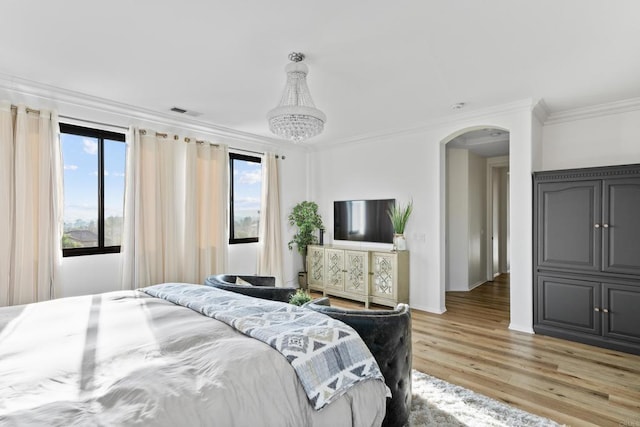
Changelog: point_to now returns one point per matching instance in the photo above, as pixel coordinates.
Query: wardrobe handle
(596, 309)
(605, 225)
(596, 225)
(605, 310)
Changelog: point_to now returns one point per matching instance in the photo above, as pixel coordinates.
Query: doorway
(498, 261)
(477, 209)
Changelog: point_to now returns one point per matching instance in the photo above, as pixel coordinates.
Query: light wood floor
(471, 345)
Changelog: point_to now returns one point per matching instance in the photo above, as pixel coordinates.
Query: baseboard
(475, 285)
(434, 310)
(521, 328)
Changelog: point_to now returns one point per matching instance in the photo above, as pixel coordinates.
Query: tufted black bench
(387, 333)
(262, 286)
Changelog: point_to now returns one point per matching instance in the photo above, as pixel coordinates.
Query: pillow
(242, 282)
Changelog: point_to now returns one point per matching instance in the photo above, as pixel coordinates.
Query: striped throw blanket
(328, 356)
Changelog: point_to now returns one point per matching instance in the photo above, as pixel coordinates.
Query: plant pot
(399, 242)
(302, 279)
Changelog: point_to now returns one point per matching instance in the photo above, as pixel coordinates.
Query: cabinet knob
(605, 225)
(605, 310)
(596, 309)
(596, 225)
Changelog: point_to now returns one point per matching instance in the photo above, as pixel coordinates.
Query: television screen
(363, 220)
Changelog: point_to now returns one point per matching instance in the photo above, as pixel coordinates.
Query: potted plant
(305, 216)
(399, 216)
(299, 298)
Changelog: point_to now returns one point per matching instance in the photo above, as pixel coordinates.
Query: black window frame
(232, 157)
(100, 135)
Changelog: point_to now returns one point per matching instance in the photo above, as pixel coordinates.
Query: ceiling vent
(184, 111)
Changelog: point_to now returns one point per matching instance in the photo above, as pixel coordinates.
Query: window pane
(114, 164)
(247, 189)
(80, 154)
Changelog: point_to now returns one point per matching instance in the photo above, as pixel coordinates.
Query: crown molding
(617, 107)
(64, 97)
(475, 115)
(541, 111)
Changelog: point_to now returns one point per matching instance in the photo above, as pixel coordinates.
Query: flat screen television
(363, 220)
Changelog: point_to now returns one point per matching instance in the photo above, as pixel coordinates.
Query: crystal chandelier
(296, 117)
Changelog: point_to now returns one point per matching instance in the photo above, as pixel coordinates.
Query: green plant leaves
(399, 216)
(300, 297)
(305, 216)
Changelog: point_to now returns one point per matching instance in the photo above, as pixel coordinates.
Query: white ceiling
(375, 66)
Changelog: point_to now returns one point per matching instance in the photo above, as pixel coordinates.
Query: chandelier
(296, 117)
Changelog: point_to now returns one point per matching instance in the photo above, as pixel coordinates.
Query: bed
(130, 358)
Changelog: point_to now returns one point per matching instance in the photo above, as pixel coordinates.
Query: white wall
(85, 275)
(242, 258)
(503, 220)
(398, 167)
(457, 234)
(477, 218)
(613, 139)
(293, 189)
(496, 232)
(466, 219)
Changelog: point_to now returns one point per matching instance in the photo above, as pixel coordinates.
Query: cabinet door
(384, 276)
(315, 268)
(569, 304)
(334, 269)
(568, 223)
(357, 272)
(621, 226)
(621, 320)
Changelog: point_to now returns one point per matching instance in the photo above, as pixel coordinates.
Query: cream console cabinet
(381, 277)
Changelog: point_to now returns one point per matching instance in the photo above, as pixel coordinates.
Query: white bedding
(125, 358)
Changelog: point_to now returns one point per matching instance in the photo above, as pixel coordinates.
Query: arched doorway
(477, 209)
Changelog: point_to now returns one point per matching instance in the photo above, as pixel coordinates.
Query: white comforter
(125, 358)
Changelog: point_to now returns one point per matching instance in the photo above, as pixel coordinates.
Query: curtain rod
(176, 137)
(27, 109)
(187, 139)
(164, 135)
(255, 152)
(33, 110)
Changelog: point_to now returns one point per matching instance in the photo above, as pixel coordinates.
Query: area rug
(438, 403)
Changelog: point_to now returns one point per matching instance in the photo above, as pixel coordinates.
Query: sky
(248, 187)
(80, 157)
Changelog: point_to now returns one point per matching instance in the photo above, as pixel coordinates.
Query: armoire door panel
(569, 304)
(622, 315)
(621, 226)
(569, 228)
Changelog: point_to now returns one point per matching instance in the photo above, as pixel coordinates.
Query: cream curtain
(31, 205)
(175, 210)
(270, 239)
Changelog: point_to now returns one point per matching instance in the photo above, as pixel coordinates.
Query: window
(245, 200)
(94, 164)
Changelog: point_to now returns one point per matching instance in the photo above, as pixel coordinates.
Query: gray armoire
(587, 256)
